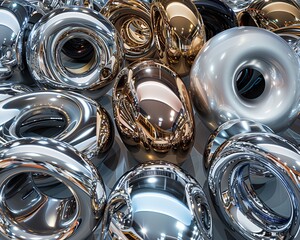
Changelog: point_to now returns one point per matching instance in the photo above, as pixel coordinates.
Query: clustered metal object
(235, 63)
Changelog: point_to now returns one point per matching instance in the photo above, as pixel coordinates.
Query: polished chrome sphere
(246, 72)
(153, 112)
(52, 69)
(29, 212)
(179, 32)
(157, 200)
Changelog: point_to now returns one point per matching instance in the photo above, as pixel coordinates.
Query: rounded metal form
(153, 112)
(242, 201)
(16, 20)
(132, 19)
(91, 76)
(270, 14)
(178, 31)
(246, 72)
(157, 201)
(8, 90)
(217, 16)
(238, 5)
(67, 117)
(28, 212)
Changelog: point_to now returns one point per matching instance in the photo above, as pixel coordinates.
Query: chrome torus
(237, 5)
(179, 32)
(67, 117)
(99, 54)
(157, 200)
(132, 19)
(246, 72)
(153, 112)
(8, 90)
(30, 212)
(270, 14)
(16, 21)
(216, 15)
(254, 183)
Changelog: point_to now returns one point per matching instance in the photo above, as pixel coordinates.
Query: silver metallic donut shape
(54, 31)
(157, 200)
(233, 58)
(67, 117)
(26, 212)
(232, 168)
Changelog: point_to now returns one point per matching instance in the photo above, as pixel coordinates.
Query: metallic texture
(179, 32)
(153, 112)
(28, 212)
(237, 5)
(270, 14)
(132, 19)
(157, 200)
(8, 90)
(97, 5)
(246, 72)
(16, 20)
(239, 168)
(216, 15)
(53, 70)
(67, 117)
(47, 5)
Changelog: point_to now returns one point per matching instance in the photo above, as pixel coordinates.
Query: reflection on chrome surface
(246, 72)
(49, 39)
(179, 32)
(157, 201)
(153, 112)
(67, 117)
(26, 212)
(238, 5)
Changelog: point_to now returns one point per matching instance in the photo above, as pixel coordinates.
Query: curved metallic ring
(246, 72)
(91, 75)
(143, 202)
(241, 188)
(28, 212)
(67, 117)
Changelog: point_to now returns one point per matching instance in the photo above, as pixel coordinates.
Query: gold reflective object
(270, 14)
(178, 31)
(153, 112)
(132, 20)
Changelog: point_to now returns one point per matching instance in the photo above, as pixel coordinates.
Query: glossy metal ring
(132, 19)
(246, 72)
(67, 117)
(52, 69)
(238, 5)
(236, 182)
(28, 212)
(153, 112)
(157, 201)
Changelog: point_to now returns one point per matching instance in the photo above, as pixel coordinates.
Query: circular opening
(78, 56)
(250, 83)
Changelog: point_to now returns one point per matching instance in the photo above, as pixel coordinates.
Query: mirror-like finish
(27, 212)
(52, 70)
(246, 72)
(238, 5)
(236, 197)
(67, 117)
(16, 20)
(153, 112)
(178, 31)
(270, 14)
(217, 16)
(157, 201)
(8, 90)
(132, 19)
(47, 5)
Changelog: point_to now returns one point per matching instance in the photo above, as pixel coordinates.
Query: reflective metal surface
(270, 14)
(8, 90)
(157, 201)
(237, 5)
(132, 19)
(217, 16)
(153, 112)
(92, 76)
(178, 31)
(67, 117)
(246, 72)
(16, 20)
(238, 192)
(28, 212)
